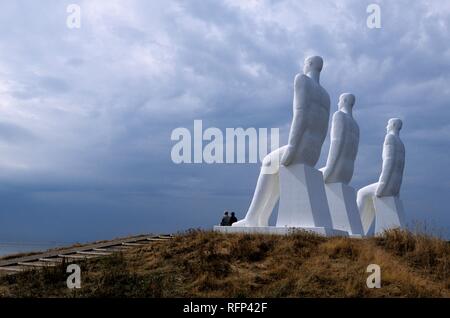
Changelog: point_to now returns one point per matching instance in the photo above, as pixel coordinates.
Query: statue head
(313, 63)
(394, 125)
(346, 101)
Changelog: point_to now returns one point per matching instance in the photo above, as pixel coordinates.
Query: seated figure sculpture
(311, 111)
(344, 143)
(379, 203)
(339, 168)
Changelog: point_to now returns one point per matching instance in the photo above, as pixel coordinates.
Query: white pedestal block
(343, 209)
(303, 201)
(278, 230)
(389, 214)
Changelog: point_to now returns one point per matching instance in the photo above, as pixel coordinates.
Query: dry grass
(427, 255)
(207, 264)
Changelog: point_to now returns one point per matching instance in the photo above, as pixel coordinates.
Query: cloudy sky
(86, 114)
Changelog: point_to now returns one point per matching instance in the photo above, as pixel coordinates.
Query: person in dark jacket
(233, 218)
(225, 219)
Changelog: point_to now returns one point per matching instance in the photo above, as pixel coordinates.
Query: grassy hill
(207, 264)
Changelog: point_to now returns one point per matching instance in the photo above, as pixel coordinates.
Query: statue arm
(336, 144)
(298, 120)
(388, 165)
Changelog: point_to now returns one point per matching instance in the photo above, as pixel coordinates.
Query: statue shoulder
(391, 139)
(301, 80)
(339, 115)
(338, 120)
(392, 142)
(339, 123)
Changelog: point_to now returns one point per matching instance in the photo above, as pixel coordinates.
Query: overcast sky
(86, 114)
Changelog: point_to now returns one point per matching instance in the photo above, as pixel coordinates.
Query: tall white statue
(339, 168)
(380, 201)
(311, 110)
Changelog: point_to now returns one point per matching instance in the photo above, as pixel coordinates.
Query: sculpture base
(279, 230)
(303, 202)
(389, 214)
(343, 209)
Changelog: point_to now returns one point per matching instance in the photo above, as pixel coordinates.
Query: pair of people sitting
(228, 220)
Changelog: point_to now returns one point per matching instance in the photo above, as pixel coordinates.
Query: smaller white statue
(344, 143)
(380, 201)
(339, 168)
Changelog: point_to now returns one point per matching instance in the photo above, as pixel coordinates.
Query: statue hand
(380, 190)
(325, 173)
(288, 156)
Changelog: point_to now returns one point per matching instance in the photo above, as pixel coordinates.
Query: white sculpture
(344, 143)
(322, 200)
(380, 201)
(339, 168)
(311, 107)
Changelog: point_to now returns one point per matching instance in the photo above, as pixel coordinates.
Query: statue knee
(266, 161)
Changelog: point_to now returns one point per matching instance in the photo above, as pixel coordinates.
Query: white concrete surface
(303, 202)
(389, 214)
(278, 230)
(343, 209)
